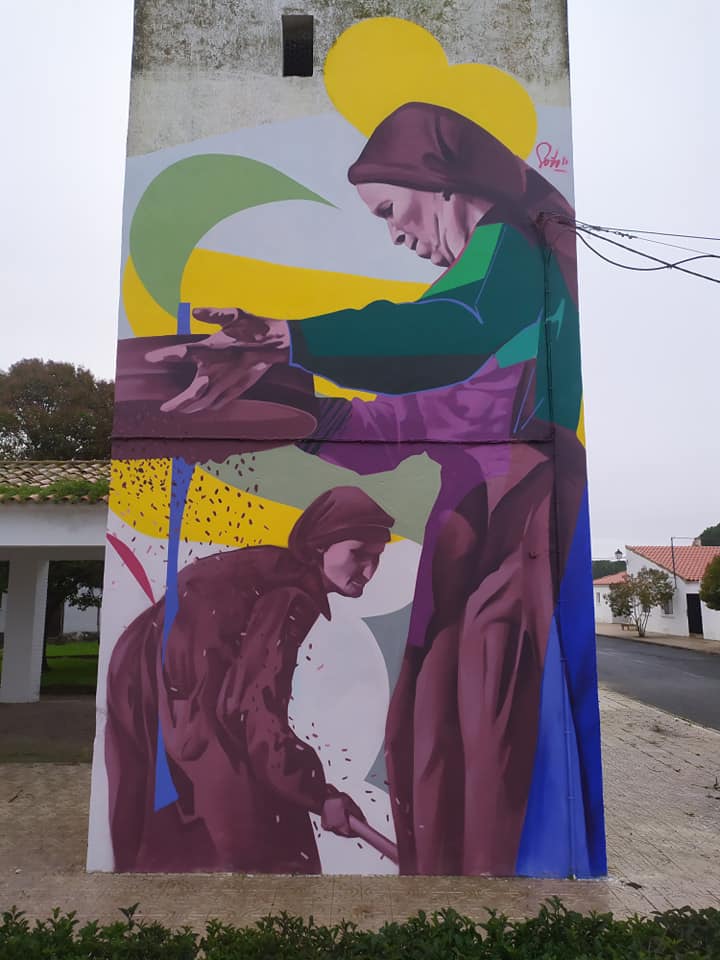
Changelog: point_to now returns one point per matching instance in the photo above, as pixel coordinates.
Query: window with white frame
(668, 608)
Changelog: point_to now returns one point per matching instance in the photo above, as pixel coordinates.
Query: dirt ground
(55, 730)
(662, 796)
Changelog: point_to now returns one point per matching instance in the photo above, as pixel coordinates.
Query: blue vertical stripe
(564, 830)
(183, 319)
(165, 792)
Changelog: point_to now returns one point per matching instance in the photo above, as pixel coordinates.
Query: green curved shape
(185, 201)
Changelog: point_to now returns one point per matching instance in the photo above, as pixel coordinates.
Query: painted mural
(348, 621)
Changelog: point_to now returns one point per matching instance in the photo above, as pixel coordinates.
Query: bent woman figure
(245, 783)
(483, 375)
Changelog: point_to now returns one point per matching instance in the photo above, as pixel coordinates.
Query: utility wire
(642, 239)
(663, 264)
(579, 227)
(653, 233)
(615, 263)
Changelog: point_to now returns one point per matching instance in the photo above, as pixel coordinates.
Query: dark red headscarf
(426, 147)
(343, 513)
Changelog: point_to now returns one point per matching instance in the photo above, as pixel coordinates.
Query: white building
(48, 525)
(601, 589)
(686, 614)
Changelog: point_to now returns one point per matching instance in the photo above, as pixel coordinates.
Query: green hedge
(554, 934)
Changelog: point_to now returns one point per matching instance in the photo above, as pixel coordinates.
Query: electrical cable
(654, 233)
(579, 227)
(664, 264)
(633, 236)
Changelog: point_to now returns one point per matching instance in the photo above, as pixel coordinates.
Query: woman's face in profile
(435, 226)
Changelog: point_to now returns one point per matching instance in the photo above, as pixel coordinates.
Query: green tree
(54, 411)
(710, 585)
(636, 596)
(710, 537)
(77, 582)
(603, 568)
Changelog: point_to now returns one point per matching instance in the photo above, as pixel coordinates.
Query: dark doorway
(694, 612)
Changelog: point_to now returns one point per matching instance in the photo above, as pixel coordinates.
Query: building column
(24, 627)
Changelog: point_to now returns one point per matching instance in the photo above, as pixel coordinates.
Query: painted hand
(245, 328)
(228, 362)
(336, 812)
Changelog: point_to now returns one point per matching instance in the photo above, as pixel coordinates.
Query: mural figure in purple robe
(482, 374)
(245, 782)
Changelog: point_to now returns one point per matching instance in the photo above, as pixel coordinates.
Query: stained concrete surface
(55, 729)
(204, 67)
(662, 808)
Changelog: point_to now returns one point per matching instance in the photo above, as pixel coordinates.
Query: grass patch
(554, 934)
(70, 675)
(78, 648)
(73, 667)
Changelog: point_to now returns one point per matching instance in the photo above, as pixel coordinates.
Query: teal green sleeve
(442, 338)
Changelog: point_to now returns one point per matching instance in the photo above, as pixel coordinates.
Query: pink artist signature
(550, 157)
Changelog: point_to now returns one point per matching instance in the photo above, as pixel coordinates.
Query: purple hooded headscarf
(343, 513)
(426, 147)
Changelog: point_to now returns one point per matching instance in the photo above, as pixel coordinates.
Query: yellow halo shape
(377, 65)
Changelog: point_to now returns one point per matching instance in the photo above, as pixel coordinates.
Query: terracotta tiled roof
(610, 578)
(690, 562)
(42, 480)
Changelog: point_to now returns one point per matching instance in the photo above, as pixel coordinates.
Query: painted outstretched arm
(228, 362)
(441, 339)
(384, 347)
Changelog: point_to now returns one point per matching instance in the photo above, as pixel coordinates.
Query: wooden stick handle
(377, 840)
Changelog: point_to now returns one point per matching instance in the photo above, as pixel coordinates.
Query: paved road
(683, 682)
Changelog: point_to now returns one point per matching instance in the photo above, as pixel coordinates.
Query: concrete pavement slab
(662, 808)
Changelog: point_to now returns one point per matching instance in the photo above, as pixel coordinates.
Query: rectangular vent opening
(298, 35)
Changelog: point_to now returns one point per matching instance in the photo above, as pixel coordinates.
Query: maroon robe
(246, 784)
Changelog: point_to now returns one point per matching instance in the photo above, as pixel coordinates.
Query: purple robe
(463, 719)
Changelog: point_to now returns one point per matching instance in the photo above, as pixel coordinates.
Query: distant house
(686, 614)
(601, 588)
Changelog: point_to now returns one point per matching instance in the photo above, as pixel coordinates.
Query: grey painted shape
(322, 149)
(390, 631)
(288, 475)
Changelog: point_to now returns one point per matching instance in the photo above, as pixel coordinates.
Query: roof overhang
(62, 530)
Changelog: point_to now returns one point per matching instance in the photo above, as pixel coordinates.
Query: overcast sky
(645, 82)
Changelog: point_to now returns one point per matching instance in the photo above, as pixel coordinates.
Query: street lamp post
(672, 554)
